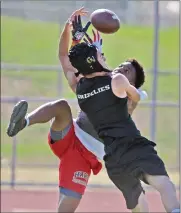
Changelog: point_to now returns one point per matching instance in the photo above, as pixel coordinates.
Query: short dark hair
(140, 74)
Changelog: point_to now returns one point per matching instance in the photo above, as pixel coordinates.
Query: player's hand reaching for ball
(81, 12)
(79, 31)
(97, 40)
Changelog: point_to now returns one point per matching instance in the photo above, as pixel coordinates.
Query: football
(105, 21)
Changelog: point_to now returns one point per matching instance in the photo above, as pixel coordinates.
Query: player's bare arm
(122, 88)
(131, 106)
(66, 66)
(64, 44)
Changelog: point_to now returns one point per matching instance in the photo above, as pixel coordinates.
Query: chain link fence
(130, 12)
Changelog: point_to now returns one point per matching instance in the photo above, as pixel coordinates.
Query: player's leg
(121, 172)
(59, 110)
(74, 174)
(68, 202)
(61, 140)
(154, 173)
(131, 189)
(142, 205)
(167, 190)
(132, 192)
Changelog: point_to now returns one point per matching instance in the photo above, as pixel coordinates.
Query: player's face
(128, 70)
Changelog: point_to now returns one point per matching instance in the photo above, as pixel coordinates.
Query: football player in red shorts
(75, 143)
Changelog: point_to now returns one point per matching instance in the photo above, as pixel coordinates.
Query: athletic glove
(78, 31)
(97, 40)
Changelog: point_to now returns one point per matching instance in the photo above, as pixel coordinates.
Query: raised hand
(81, 12)
(97, 40)
(78, 30)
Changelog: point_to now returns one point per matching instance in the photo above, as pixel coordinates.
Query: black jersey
(84, 123)
(108, 113)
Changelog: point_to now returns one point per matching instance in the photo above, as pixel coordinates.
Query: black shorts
(127, 160)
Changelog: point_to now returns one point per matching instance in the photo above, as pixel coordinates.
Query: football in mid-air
(105, 21)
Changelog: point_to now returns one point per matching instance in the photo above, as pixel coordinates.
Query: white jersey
(91, 143)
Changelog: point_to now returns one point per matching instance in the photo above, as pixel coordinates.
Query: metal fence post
(155, 70)
(13, 162)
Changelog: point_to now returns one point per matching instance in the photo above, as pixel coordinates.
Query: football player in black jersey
(129, 157)
(60, 110)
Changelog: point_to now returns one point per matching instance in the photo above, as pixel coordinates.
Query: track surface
(94, 200)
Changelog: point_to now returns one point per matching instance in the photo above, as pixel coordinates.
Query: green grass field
(32, 42)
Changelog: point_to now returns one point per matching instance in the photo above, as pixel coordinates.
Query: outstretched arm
(131, 106)
(68, 69)
(122, 88)
(64, 44)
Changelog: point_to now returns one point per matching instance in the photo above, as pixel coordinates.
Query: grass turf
(33, 42)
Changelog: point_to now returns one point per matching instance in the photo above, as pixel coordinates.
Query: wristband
(143, 94)
(78, 36)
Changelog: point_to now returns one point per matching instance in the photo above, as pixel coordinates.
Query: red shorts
(76, 162)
